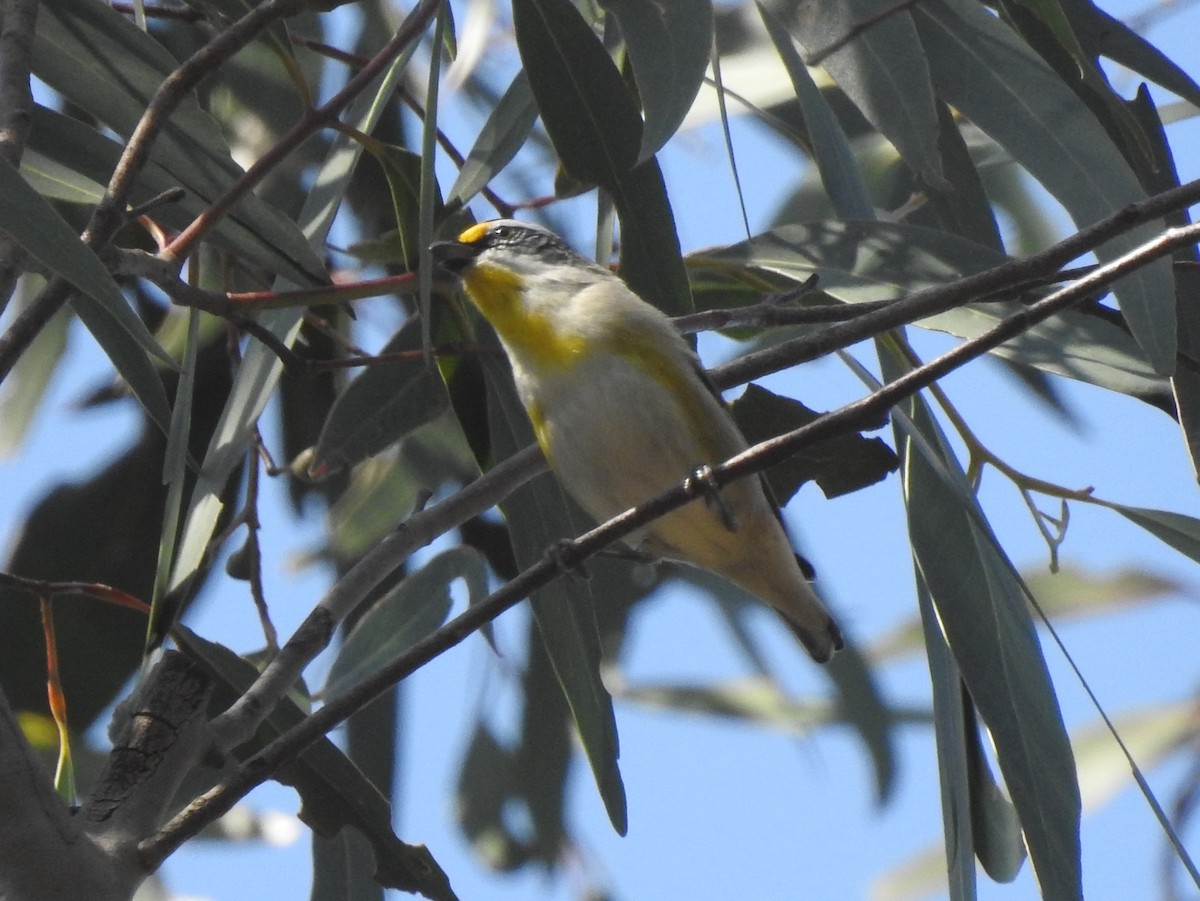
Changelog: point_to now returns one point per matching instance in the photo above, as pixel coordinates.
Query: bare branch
(1035, 268)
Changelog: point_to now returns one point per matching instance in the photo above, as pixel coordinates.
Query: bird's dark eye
(502, 232)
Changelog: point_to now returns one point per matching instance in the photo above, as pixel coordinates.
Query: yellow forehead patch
(474, 233)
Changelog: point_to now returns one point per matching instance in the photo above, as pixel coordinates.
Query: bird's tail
(820, 641)
(787, 590)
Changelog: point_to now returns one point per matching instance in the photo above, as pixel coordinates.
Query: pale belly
(616, 438)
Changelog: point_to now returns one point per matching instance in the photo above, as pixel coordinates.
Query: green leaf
(538, 517)
(1073, 344)
(597, 132)
(260, 368)
(980, 67)
(384, 489)
(857, 260)
(25, 388)
(1173, 529)
(405, 615)
(961, 206)
(883, 71)
(669, 45)
(1103, 35)
(873, 261)
(56, 181)
(383, 404)
(46, 237)
(950, 733)
(835, 161)
(502, 136)
(982, 611)
(69, 160)
(107, 66)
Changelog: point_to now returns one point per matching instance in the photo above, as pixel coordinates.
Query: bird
(623, 411)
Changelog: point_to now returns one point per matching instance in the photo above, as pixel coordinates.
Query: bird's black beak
(453, 256)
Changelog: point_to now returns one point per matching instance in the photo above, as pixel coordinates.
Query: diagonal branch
(1032, 269)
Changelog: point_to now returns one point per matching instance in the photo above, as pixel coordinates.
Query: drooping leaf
(669, 45)
(405, 615)
(883, 71)
(980, 67)
(503, 134)
(386, 402)
(982, 611)
(260, 368)
(949, 731)
(538, 517)
(46, 237)
(834, 159)
(597, 132)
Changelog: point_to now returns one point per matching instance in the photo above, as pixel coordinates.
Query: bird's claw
(556, 553)
(704, 482)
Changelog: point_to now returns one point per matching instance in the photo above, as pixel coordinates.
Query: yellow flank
(644, 351)
(497, 292)
(537, 419)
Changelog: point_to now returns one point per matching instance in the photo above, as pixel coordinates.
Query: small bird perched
(623, 411)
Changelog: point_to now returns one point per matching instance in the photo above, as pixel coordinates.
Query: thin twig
(317, 119)
(819, 56)
(257, 702)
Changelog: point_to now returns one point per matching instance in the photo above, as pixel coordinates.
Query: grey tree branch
(53, 852)
(1032, 269)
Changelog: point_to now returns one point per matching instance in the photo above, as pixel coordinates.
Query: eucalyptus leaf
(980, 67)
(46, 237)
(1173, 529)
(831, 150)
(106, 65)
(1102, 34)
(260, 368)
(502, 136)
(669, 45)
(387, 401)
(883, 71)
(597, 133)
(982, 611)
(405, 615)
